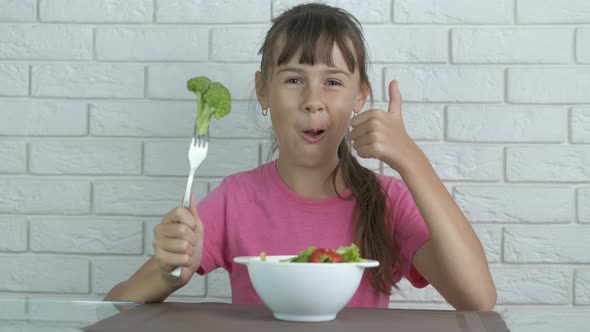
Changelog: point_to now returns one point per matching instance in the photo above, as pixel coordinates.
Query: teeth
(314, 133)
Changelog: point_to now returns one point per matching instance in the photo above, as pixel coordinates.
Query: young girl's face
(310, 107)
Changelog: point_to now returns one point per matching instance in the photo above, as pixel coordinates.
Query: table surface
(65, 315)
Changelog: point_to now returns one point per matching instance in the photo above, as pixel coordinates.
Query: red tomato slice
(323, 255)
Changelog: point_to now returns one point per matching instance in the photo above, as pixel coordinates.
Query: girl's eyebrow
(337, 71)
(327, 71)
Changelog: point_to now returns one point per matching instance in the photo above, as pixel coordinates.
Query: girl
(312, 79)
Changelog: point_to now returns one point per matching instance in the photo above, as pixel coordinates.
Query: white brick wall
(14, 80)
(95, 120)
(497, 45)
(583, 45)
(46, 42)
(448, 83)
(137, 44)
(551, 85)
(551, 11)
(89, 11)
(507, 123)
(17, 11)
(87, 80)
(453, 11)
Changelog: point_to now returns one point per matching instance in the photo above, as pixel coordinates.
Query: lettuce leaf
(303, 257)
(350, 254)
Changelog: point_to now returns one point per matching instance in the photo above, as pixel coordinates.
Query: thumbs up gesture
(382, 135)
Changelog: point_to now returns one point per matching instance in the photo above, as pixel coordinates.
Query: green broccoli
(213, 99)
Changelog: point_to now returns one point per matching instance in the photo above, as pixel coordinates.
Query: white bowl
(304, 292)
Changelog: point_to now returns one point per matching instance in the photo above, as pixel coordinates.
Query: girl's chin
(305, 154)
(313, 156)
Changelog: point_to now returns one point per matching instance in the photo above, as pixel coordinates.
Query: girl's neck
(311, 181)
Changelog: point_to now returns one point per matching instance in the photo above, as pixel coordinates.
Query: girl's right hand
(178, 241)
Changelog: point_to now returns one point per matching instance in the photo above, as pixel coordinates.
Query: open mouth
(313, 132)
(313, 135)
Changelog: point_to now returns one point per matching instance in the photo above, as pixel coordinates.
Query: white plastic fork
(197, 153)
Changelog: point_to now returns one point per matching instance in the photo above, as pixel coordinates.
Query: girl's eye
(334, 82)
(293, 81)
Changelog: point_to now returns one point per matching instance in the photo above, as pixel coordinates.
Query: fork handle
(176, 272)
(187, 192)
(187, 204)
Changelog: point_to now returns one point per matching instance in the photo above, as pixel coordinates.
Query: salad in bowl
(309, 287)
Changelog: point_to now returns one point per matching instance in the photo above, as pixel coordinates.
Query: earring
(264, 111)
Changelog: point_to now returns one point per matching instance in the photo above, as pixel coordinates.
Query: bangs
(310, 32)
(313, 37)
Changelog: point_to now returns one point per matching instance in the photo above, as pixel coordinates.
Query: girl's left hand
(382, 135)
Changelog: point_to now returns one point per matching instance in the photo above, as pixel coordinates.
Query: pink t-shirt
(255, 211)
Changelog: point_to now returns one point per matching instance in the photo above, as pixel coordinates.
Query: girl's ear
(261, 89)
(361, 99)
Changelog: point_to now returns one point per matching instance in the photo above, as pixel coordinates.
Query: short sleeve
(410, 231)
(212, 211)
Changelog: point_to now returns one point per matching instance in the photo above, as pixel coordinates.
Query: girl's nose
(316, 107)
(313, 102)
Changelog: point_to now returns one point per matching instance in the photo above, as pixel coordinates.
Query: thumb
(395, 98)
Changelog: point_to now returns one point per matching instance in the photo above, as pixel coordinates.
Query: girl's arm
(453, 260)
(178, 241)
(145, 286)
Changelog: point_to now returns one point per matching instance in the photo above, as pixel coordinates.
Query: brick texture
(96, 118)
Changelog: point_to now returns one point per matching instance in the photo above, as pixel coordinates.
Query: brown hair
(312, 29)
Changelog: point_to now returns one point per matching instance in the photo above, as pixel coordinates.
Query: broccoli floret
(213, 99)
(218, 98)
(198, 84)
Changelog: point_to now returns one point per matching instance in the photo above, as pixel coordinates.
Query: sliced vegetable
(324, 255)
(350, 254)
(303, 256)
